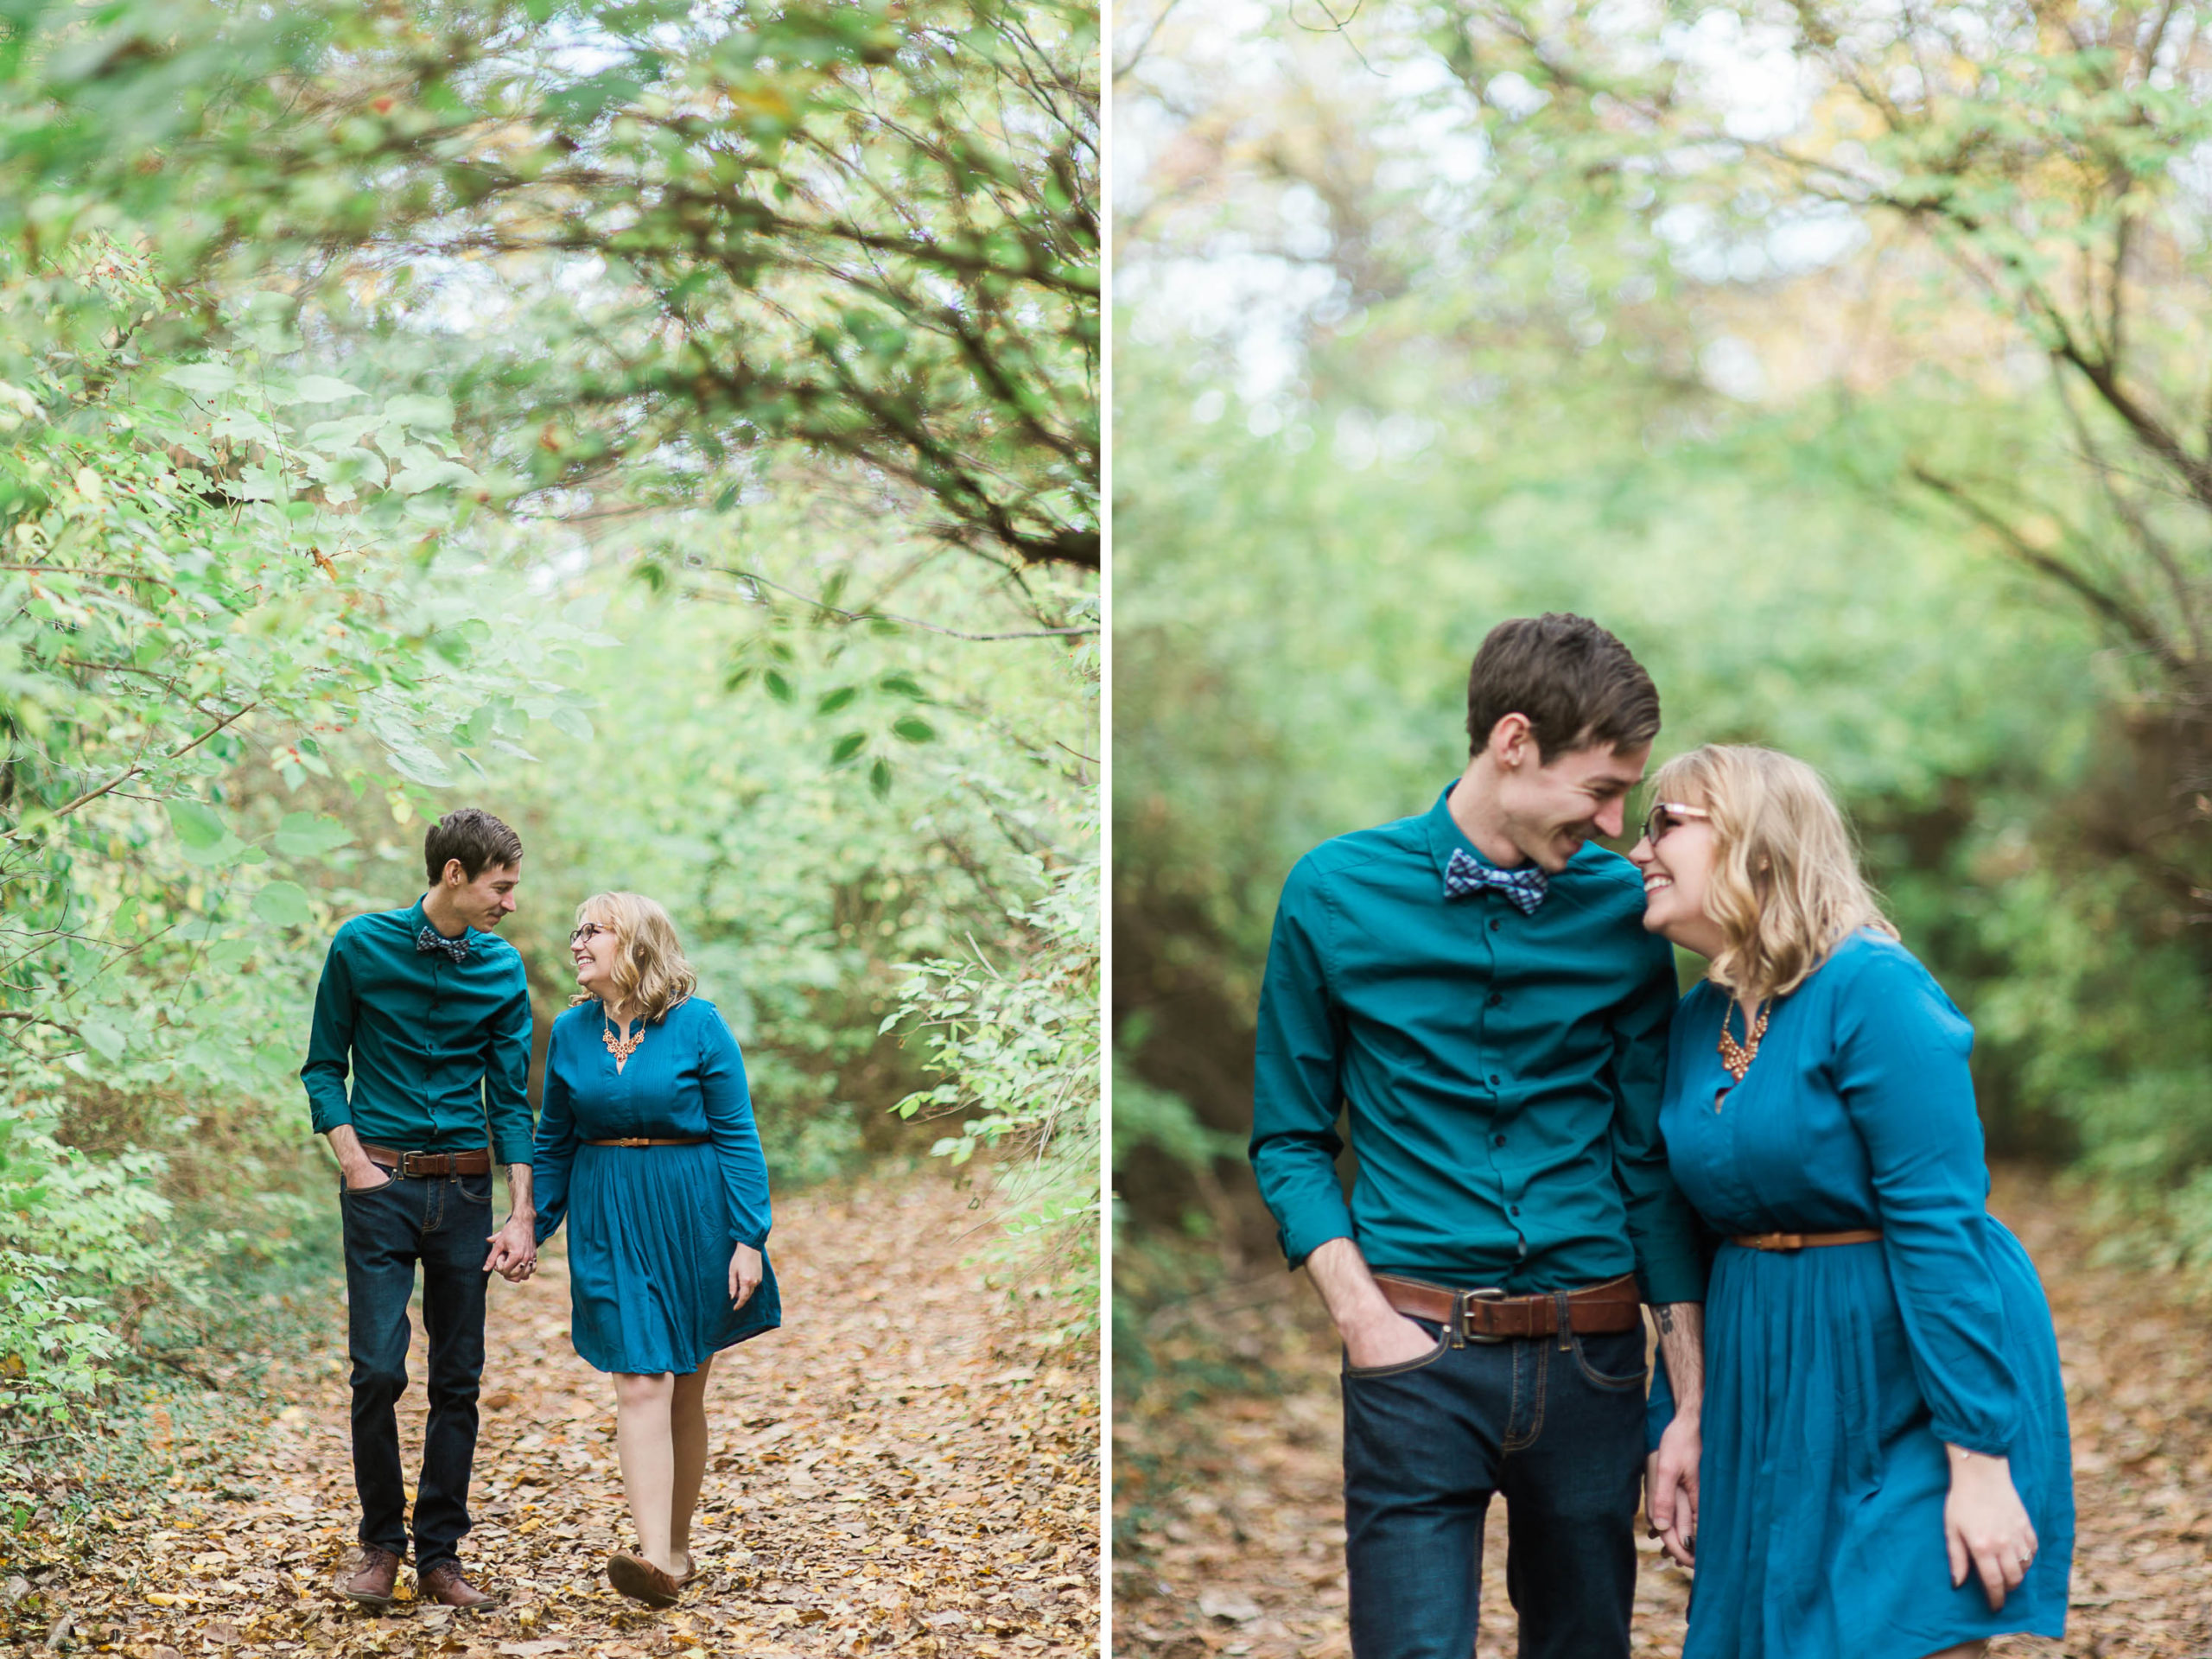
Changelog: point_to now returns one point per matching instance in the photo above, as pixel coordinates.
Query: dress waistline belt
(642, 1140)
(1806, 1241)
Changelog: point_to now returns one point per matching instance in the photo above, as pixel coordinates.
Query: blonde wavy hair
(651, 976)
(1785, 887)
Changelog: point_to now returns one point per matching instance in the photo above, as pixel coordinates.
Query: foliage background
(671, 432)
(1780, 339)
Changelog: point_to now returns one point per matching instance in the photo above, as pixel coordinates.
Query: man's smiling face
(1549, 809)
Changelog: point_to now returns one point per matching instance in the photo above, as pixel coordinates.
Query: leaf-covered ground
(1230, 1517)
(909, 1464)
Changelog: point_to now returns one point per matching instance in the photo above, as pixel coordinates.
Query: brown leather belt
(1489, 1315)
(1806, 1241)
(639, 1141)
(476, 1161)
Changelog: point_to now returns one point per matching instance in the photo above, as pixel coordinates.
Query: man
(432, 1012)
(1475, 988)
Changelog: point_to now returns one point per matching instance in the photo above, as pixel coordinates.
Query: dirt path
(908, 1464)
(1231, 1507)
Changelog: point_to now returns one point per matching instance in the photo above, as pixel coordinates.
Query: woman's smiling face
(592, 948)
(1674, 855)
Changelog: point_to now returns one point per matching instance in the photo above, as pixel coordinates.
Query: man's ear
(1513, 742)
(455, 875)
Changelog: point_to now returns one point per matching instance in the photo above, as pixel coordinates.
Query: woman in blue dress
(1884, 1471)
(646, 1144)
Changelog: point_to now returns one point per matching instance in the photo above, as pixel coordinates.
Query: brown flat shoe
(445, 1584)
(369, 1580)
(690, 1569)
(640, 1580)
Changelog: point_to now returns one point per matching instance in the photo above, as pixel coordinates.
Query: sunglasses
(1666, 816)
(588, 931)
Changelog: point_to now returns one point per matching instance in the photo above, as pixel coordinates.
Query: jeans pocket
(346, 1191)
(1614, 1348)
(1404, 1365)
(476, 1189)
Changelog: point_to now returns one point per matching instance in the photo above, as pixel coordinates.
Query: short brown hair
(474, 837)
(1577, 685)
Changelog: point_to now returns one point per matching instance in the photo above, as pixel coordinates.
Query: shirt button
(1498, 1141)
(1494, 924)
(1516, 1210)
(1493, 1079)
(1496, 997)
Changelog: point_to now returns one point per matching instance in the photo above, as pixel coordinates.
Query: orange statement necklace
(621, 1047)
(1737, 1057)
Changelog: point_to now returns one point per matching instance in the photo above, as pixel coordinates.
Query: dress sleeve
(737, 1140)
(1297, 1083)
(1662, 1227)
(555, 1149)
(1900, 1067)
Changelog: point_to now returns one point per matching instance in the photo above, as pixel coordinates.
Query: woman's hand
(744, 1275)
(1986, 1526)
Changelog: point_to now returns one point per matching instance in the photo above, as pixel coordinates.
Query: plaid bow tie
(1524, 887)
(430, 939)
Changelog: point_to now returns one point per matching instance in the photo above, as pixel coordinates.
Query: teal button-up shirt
(439, 1049)
(1501, 1073)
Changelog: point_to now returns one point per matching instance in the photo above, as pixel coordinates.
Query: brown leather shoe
(640, 1580)
(444, 1585)
(369, 1580)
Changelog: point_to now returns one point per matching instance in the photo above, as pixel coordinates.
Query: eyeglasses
(1666, 816)
(589, 931)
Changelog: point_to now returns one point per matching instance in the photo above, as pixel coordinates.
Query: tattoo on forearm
(1665, 1315)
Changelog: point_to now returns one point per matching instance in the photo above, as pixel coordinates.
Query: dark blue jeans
(1554, 1423)
(442, 1222)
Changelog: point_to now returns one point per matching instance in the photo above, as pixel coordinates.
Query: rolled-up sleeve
(330, 1043)
(1662, 1228)
(1298, 1086)
(506, 1074)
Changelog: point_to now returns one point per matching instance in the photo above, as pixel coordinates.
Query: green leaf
(106, 1040)
(303, 835)
(913, 728)
(574, 722)
(323, 389)
(904, 684)
(847, 746)
(206, 379)
(419, 765)
(835, 700)
(199, 827)
(879, 777)
(282, 904)
(777, 686)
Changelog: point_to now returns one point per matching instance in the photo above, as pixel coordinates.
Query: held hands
(1986, 1526)
(1670, 1490)
(744, 1275)
(514, 1249)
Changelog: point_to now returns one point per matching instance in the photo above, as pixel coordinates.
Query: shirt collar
(418, 918)
(1445, 837)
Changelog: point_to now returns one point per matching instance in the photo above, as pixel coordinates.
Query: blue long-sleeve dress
(651, 1228)
(1834, 1376)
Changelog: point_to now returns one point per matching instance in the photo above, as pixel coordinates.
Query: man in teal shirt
(429, 1010)
(1473, 989)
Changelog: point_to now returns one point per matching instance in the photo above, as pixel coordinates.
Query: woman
(647, 1141)
(1884, 1472)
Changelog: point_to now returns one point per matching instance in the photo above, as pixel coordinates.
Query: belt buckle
(1463, 1308)
(407, 1164)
